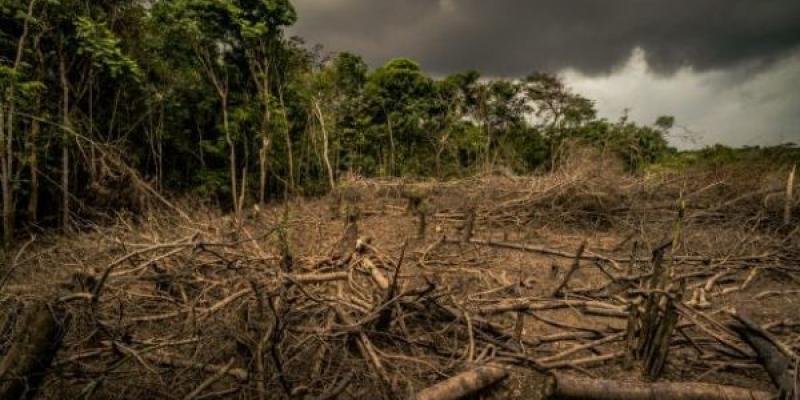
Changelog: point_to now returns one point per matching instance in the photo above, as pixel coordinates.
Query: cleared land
(353, 296)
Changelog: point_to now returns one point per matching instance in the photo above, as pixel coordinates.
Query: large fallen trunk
(771, 353)
(463, 384)
(565, 387)
(38, 335)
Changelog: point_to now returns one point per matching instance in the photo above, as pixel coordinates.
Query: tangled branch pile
(391, 290)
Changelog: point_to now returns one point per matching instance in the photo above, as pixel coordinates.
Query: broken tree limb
(173, 361)
(366, 348)
(39, 331)
(541, 250)
(745, 319)
(377, 276)
(210, 381)
(549, 304)
(583, 362)
(770, 354)
(319, 277)
(463, 384)
(469, 225)
(565, 387)
(574, 267)
(590, 345)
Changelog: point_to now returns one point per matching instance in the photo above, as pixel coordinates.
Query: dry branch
(574, 267)
(174, 361)
(210, 381)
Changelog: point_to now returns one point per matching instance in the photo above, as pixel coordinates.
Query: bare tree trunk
(65, 121)
(263, 152)
(223, 89)
(325, 156)
(487, 157)
(440, 148)
(159, 147)
(262, 159)
(7, 138)
(266, 143)
(5, 177)
(789, 203)
(8, 173)
(232, 151)
(33, 156)
(243, 189)
(438, 163)
(289, 155)
(33, 143)
(392, 164)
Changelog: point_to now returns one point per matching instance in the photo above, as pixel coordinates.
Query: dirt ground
(184, 294)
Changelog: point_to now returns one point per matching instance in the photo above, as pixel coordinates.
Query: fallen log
(566, 387)
(38, 335)
(770, 352)
(463, 384)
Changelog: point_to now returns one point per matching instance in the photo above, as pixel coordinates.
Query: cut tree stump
(38, 335)
(565, 387)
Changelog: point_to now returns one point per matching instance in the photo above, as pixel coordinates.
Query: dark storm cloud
(514, 37)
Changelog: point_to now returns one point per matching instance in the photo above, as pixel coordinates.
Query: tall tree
(13, 81)
(260, 25)
(400, 95)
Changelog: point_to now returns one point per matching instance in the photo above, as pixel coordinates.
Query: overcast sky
(728, 70)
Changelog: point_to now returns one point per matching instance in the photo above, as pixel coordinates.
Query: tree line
(211, 97)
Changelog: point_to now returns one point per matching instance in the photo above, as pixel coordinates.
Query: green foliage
(98, 42)
(717, 156)
(150, 79)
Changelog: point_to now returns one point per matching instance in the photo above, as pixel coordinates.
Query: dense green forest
(211, 97)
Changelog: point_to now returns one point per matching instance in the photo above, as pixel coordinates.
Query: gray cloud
(515, 37)
(729, 70)
(718, 106)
